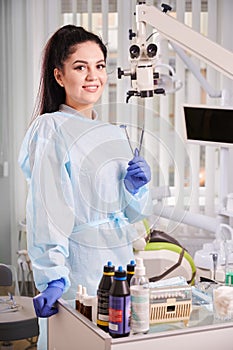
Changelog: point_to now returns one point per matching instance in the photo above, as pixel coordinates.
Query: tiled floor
(20, 345)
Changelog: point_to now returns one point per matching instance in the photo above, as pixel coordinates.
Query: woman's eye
(80, 67)
(101, 66)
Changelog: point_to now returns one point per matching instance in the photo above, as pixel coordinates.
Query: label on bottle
(119, 314)
(103, 306)
(140, 309)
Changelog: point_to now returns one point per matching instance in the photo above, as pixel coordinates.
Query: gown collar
(67, 109)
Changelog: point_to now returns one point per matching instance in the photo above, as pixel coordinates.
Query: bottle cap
(109, 267)
(131, 266)
(120, 274)
(79, 291)
(83, 294)
(139, 268)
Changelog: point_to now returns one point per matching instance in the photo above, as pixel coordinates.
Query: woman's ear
(57, 76)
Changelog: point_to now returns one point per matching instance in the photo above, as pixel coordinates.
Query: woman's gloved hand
(138, 173)
(44, 303)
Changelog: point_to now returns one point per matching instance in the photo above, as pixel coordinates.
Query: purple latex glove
(45, 302)
(138, 173)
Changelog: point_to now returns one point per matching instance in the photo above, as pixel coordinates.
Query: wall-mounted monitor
(209, 125)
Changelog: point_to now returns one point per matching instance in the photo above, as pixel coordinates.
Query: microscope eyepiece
(151, 50)
(134, 51)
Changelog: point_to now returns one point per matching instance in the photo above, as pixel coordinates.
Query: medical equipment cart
(70, 329)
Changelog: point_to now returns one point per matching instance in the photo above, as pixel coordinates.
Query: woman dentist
(84, 190)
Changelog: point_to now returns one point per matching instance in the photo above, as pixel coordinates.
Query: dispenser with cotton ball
(223, 302)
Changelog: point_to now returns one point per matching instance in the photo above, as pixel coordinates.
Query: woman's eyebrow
(85, 62)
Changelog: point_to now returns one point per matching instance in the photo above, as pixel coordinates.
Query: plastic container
(119, 305)
(140, 300)
(171, 304)
(94, 308)
(89, 307)
(103, 296)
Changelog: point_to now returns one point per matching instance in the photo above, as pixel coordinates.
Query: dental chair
(163, 256)
(17, 317)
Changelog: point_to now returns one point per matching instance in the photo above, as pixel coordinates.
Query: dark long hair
(58, 48)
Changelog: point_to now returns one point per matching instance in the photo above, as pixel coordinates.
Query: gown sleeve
(44, 160)
(138, 206)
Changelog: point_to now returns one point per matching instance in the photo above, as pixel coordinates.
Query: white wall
(25, 27)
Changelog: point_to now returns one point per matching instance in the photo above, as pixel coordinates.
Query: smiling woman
(23, 34)
(85, 190)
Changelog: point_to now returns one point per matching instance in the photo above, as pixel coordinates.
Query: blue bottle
(119, 305)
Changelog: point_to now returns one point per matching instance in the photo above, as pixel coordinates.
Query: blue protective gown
(79, 214)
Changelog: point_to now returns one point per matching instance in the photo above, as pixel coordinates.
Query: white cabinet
(71, 330)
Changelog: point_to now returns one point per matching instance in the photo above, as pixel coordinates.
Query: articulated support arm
(196, 43)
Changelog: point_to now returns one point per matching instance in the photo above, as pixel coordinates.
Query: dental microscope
(146, 81)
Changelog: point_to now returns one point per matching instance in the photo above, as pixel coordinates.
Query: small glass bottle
(78, 296)
(87, 306)
(82, 296)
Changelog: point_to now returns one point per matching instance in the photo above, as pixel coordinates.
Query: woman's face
(83, 76)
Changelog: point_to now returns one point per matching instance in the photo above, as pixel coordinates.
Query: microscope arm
(197, 44)
(196, 71)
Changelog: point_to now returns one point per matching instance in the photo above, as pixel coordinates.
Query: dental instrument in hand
(123, 126)
(141, 139)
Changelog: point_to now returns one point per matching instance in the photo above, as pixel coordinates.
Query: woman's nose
(91, 74)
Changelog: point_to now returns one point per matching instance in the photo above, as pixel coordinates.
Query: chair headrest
(5, 275)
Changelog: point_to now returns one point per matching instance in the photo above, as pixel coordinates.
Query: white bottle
(140, 301)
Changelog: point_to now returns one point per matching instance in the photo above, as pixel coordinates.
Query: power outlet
(4, 169)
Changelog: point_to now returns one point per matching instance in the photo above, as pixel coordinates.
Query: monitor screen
(209, 125)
